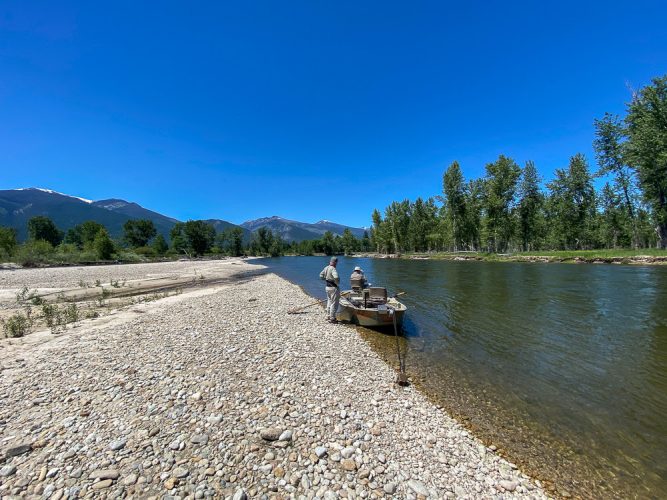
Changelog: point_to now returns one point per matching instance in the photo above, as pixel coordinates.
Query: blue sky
(309, 110)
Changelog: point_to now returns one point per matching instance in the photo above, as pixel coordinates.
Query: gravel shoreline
(218, 393)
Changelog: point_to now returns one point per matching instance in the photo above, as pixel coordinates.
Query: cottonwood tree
(8, 241)
(572, 205)
(531, 204)
(103, 246)
(138, 232)
(159, 245)
(82, 235)
(454, 196)
(646, 148)
(199, 236)
(43, 228)
(500, 183)
(612, 157)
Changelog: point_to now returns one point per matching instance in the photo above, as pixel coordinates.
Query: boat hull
(372, 317)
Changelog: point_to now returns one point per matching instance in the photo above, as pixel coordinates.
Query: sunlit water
(563, 367)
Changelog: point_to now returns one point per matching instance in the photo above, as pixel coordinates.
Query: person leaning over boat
(330, 275)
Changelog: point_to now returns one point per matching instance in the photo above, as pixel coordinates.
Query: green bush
(18, 324)
(104, 247)
(8, 242)
(146, 252)
(34, 252)
(57, 318)
(127, 256)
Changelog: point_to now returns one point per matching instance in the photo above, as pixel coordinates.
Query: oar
(294, 311)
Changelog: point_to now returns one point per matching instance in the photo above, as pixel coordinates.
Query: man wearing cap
(330, 275)
(358, 274)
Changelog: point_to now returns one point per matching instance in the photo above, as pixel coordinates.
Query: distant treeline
(509, 209)
(90, 242)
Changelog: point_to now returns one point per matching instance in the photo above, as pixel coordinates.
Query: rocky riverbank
(218, 392)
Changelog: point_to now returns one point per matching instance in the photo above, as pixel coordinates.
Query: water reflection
(563, 366)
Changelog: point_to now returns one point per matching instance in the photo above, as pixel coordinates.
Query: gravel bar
(219, 393)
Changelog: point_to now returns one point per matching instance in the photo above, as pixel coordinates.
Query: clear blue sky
(309, 110)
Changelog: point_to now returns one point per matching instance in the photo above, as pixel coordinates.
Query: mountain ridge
(18, 205)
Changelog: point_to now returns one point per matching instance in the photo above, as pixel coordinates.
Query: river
(563, 367)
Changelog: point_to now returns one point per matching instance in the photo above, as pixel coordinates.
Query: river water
(563, 367)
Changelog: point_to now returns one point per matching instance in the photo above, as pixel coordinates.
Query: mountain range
(17, 206)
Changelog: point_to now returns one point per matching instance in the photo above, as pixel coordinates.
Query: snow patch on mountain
(51, 191)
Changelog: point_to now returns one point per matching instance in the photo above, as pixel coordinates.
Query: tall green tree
(647, 148)
(350, 243)
(423, 219)
(103, 246)
(138, 232)
(177, 236)
(328, 243)
(612, 157)
(199, 236)
(572, 206)
(159, 245)
(365, 242)
(530, 210)
(43, 228)
(454, 196)
(501, 181)
(474, 214)
(380, 233)
(235, 241)
(8, 241)
(264, 237)
(82, 235)
(397, 217)
(612, 218)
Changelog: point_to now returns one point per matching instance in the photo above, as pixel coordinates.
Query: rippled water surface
(562, 366)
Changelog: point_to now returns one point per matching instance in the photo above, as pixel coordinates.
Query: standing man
(330, 275)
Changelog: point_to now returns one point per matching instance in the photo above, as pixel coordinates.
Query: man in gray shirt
(330, 275)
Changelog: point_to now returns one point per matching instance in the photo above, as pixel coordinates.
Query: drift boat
(370, 307)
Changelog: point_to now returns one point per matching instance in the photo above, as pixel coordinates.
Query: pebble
(180, 472)
(285, 436)
(18, 450)
(389, 488)
(509, 485)
(104, 474)
(8, 470)
(130, 479)
(270, 434)
(348, 464)
(199, 439)
(240, 494)
(102, 484)
(117, 445)
(418, 487)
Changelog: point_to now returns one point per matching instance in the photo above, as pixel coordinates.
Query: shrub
(34, 252)
(71, 313)
(146, 251)
(7, 242)
(103, 245)
(18, 324)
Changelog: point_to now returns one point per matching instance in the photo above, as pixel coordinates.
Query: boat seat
(357, 284)
(377, 294)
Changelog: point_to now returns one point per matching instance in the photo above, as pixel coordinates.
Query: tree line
(90, 241)
(512, 209)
